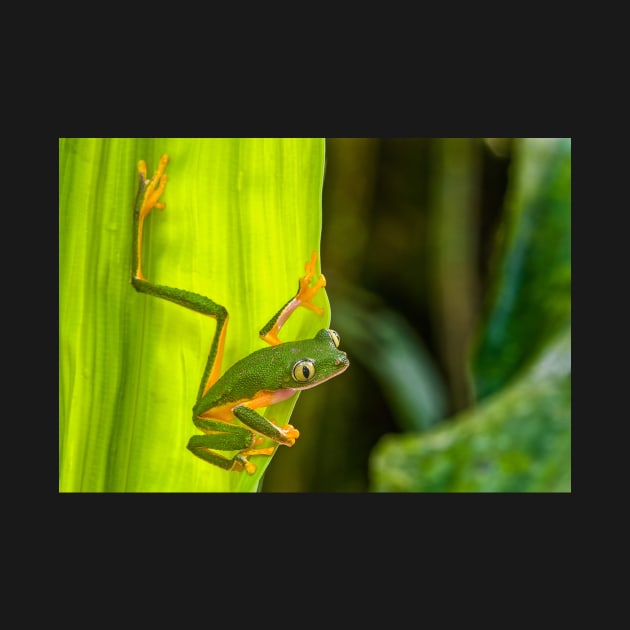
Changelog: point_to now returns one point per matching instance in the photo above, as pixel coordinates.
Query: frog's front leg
(283, 435)
(304, 296)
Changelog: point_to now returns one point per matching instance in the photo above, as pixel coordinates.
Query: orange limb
(215, 373)
(304, 297)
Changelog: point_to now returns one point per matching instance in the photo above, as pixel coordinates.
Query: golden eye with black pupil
(303, 370)
(334, 335)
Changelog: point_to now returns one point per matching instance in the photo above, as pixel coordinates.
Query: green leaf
(242, 217)
(518, 440)
(531, 298)
(517, 437)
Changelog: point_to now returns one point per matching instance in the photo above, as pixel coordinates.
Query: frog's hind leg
(221, 436)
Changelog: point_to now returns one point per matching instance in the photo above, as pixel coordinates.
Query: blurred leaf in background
(530, 301)
(518, 438)
(242, 217)
(389, 348)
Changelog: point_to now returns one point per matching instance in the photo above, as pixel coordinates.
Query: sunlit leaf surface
(242, 217)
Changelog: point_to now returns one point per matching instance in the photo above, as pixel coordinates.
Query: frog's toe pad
(291, 432)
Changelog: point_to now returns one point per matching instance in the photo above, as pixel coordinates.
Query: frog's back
(263, 370)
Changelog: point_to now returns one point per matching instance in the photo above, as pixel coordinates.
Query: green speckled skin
(270, 369)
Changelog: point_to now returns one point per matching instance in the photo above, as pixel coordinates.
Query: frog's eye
(334, 335)
(303, 371)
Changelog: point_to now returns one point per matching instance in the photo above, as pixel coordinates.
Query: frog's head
(321, 360)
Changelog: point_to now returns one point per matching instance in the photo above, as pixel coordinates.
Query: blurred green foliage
(518, 440)
(449, 273)
(531, 295)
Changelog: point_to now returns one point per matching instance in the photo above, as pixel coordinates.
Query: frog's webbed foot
(291, 433)
(241, 462)
(149, 194)
(154, 187)
(307, 290)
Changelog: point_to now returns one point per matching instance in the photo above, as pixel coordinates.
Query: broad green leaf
(518, 436)
(242, 217)
(517, 440)
(532, 283)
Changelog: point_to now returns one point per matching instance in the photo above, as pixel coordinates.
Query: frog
(225, 409)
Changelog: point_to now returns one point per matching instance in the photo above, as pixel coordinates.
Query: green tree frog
(225, 409)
